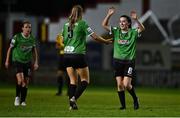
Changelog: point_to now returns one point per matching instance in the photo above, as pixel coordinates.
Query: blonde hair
(76, 14)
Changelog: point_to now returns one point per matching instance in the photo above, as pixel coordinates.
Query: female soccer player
(61, 66)
(23, 48)
(74, 34)
(124, 38)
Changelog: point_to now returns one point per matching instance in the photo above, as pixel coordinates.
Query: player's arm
(101, 39)
(105, 22)
(98, 38)
(35, 55)
(12, 45)
(7, 57)
(140, 25)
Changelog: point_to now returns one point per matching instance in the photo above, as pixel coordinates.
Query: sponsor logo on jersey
(123, 42)
(25, 48)
(69, 49)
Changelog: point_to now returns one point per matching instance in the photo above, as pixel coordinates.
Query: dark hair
(76, 14)
(128, 19)
(25, 22)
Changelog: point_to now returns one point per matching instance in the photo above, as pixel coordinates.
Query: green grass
(96, 102)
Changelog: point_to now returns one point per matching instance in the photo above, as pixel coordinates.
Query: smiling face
(123, 23)
(26, 29)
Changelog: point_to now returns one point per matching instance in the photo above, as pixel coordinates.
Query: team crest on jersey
(123, 42)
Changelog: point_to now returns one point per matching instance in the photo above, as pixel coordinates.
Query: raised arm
(105, 22)
(140, 25)
(101, 39)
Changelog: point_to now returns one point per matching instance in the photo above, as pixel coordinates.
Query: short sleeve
(34, 41)
(88, 29)
(62, 31)
(112, 30)
(136, 30)
(13, 41)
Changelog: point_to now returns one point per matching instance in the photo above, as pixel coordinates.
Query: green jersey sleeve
(35, 41)
(113, 30)
(13, 41)
(62, 31)
(88, 29)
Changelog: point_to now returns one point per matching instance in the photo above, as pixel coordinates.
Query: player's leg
(119, 74)
(121, 91)
(129, 73)
(84, 76)
(72, 87)
(27, 72)
(130, 89)
(67, 81)
(25, 83)
(19, 77)
(60, 74)
(60, 79)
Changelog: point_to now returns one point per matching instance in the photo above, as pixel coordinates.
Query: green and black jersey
(75, 38)
(22, 48)
(124, 43)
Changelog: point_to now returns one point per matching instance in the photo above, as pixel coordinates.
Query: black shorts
(24, 68)
(61, 65)
(124, 67)
(75, 60)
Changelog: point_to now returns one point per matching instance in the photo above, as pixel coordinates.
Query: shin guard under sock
(23, 94)
(121, 95)
(81, 88)
(72, 90)
(132, 93)
(18, 90)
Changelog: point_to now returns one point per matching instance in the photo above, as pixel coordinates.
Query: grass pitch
(95, 102)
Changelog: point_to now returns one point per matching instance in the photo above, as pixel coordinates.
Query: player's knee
(73, 81)
(127, 86)
(19, 82)
(120, 86)
(86, 80)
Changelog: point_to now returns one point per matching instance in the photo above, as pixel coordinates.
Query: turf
(95, 102)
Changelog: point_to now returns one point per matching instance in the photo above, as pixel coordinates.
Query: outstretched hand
(134, 15)
(111, 10)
